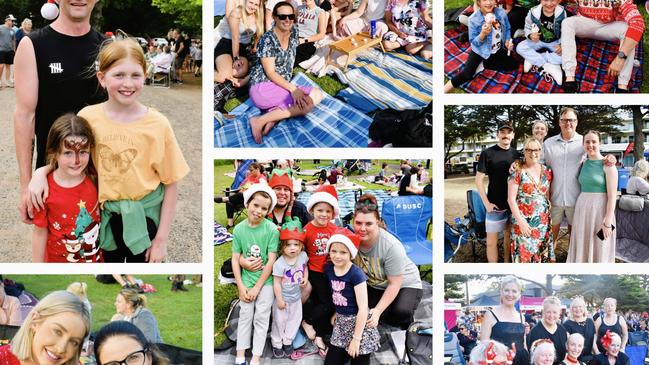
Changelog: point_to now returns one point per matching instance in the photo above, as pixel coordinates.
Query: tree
(458, 129)
(638, 135)
(187, 13)
(629, 290)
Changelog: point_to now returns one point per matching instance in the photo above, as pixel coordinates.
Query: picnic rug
(393, 80)
(332, 123)
(593, 60)
(386, 354)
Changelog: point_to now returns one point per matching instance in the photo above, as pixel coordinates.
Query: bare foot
(309, 331)
(267, 128)
(256, 127)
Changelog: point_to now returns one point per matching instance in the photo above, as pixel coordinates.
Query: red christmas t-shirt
(316, 244)
(7, 357)
(71, 216)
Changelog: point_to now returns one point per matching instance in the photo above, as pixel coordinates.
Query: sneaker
(479, 69)
(519, 33)
(527, 65)
(554, 71)
(288, 350)
(278, 353)
(571, 87)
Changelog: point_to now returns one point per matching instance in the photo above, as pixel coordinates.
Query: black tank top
(66, 78)
(508, 333)
(617, 328)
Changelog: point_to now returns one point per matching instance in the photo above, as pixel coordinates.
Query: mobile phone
(600, 233)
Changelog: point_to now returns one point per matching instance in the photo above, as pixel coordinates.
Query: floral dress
(535, 208)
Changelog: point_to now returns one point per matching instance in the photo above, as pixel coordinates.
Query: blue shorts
(497, 221)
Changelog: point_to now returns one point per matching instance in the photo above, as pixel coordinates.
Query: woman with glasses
(270, 87)
(52, 334)
(593, 238)
(528, 194)
(393, 286)
(122, 343)
(131, 307)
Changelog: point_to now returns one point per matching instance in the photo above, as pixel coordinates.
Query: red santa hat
(281, 180)
(49, 10)
(326, 194)
(348, 238)
(255, 188)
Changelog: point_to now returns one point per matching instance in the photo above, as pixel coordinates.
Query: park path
(182, 105)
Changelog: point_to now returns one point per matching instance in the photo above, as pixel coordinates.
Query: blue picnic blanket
(330, 124)
(346, 198)
(387, 80)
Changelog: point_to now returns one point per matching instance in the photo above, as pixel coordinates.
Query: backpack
(230, 326)
(419, 344)
(226, 269)
(403, 128)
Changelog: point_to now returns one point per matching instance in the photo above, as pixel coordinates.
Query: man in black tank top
(54, 74)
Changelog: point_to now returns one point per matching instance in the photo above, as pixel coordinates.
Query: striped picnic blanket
(388, 80)
(330, 124)
(593, 60)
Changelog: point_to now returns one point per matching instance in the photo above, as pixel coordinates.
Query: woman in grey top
(393, 285)
(312, 27)
(131, 307)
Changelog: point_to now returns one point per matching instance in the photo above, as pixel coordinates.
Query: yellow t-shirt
(132, 159)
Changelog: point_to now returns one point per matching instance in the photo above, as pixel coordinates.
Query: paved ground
(182, 105)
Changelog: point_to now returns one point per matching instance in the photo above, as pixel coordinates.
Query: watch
(236, 58)
(621, 55)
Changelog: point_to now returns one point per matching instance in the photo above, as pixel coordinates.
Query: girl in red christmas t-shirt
(323, 206)
(68, 228)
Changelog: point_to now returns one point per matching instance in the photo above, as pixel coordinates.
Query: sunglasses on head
(285, 16)
(366, 205)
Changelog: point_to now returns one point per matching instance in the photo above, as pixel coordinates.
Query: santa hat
(281, 180)
(348, 238)
(326, 194)
(292, 230)
(49, 10)
(255, 188)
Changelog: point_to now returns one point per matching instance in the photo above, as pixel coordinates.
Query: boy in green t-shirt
(255, 237)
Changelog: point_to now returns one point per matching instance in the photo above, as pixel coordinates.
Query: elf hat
(348, 238)
(292, 230)
(281, 180)
(49, 10)
(326, 194)
(255, 188)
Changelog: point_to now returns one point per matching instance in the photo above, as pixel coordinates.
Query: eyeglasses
(285, 16)
(366, 206)
(532, 150)
(135, 358)
(568, 120)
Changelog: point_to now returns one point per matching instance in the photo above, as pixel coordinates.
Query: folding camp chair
(453, 239)
(239, 176)
(407, 217)
(452, 352)
(475, 220)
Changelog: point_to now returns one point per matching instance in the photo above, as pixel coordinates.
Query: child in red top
(68, 228)
(7, 357)
(323, 206)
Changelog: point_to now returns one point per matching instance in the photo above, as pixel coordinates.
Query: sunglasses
(366, 206)
(285, 16)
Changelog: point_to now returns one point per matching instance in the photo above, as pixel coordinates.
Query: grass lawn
(223, 294)
(166, 305)
(644, 88)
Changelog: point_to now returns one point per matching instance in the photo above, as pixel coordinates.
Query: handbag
(631, 203)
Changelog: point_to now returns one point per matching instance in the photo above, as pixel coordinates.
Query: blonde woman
(580, 323)
(611, 322)
(504, 323)
(52, 334)
(592, 238)
(637, 183)
(549, 328)
(80, 289)
(542, 352)
(237, 32)
(574, 350)
(528, 193)
(131, 307)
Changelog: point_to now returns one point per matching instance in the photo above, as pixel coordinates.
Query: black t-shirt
(404, 183)
(601, 359)
(495, 163)
(547, 28)
(297, 211)
(586, 329)
(559, 338)
(66, 78)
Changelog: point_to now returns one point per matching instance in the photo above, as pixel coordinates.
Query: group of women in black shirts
(578, 340)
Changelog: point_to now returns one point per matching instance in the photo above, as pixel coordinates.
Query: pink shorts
(268, 95)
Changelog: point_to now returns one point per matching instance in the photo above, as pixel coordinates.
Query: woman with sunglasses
(122, 343)
(393, 286)
(270, 89)
(593, 238)
(528, 194)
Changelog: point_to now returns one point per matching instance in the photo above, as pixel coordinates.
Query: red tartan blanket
(593, 59)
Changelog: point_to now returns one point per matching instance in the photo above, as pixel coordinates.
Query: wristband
(236, 58)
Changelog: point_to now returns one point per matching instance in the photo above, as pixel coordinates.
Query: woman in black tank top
(580, 323)
(611, 321)
(503, 327)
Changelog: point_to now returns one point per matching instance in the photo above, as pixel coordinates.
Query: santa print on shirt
(316, 244)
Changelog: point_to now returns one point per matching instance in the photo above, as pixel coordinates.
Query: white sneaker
(519, 33)
(527, 65)
(479, 69)
(555, 72)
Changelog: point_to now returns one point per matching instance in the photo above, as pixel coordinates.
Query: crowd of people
(310, 271)
(258, 44)
(573, 337)
(96, 144)
(549, 46)
(561, 177)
